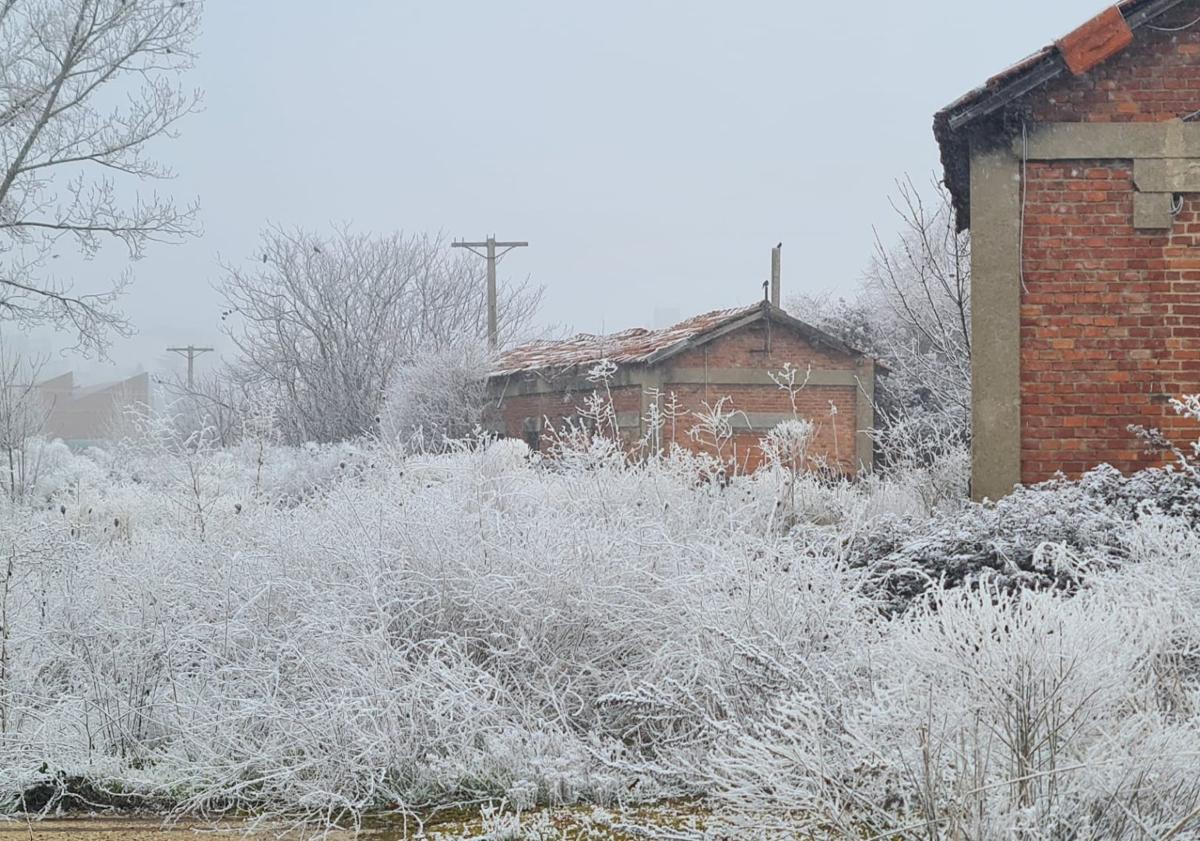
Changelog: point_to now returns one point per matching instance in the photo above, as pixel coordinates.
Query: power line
(492, 257)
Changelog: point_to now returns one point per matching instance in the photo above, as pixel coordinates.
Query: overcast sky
(651, 152)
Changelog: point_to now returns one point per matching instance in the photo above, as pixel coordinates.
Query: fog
(651, 153)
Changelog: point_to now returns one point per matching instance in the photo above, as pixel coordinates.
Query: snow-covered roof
(643, 346)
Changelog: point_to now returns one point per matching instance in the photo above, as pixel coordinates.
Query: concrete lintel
(629, 420)
(753, 376)
(758, 421)
(996, 325)
(1108, 141)
(1152, 211)
(518, 385)
(1167, 175)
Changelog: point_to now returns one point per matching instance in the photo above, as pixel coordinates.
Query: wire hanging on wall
(1021, 219)
(1173, 28)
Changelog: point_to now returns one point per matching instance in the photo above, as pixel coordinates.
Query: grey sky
(651, 152)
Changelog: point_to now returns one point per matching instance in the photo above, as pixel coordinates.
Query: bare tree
(323, 323)
(85, 85)
(913, 312)
(213, 400)
(23, 414)
(923, 283)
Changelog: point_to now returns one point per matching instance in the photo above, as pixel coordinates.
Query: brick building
(85, 416)
(727, 353)
(1078, 172)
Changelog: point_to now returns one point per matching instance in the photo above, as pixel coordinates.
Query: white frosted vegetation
(328, 631)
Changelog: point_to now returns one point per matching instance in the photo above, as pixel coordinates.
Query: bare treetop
(85, 85)
(321, 323)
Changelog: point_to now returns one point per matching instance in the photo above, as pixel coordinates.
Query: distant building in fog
(86, 415)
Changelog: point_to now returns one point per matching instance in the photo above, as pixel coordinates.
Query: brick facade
(738, 363)
(1157, 78)
(1109, 327)
(1104, 216)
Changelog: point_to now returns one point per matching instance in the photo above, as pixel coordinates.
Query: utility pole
(490, 254)
(776, 259)
(191, 352)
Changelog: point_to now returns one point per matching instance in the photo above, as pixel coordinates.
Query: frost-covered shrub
(437, 397)
(786, 444)
(986, 714)
(1046, 536)
(328, 630)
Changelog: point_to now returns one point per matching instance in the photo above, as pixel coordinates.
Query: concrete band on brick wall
(995, 322)
(662, 377)
(738, 421)
(1109, 141)
(1164, 157)
(1167, 175)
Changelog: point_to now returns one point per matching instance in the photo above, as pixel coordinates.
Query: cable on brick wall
(1173, 28)
(1021, 219)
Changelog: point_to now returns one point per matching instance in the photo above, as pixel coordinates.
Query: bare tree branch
(62, 146)
(914, 313)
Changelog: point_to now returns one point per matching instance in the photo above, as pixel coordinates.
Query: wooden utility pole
(776, 259)
(191, 352)
(492, 256)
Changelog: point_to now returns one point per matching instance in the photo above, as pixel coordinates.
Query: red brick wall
(1157, 78)
(745, 349)
(558, 408)
(835, 435)
(1110, 316)
(833, 438)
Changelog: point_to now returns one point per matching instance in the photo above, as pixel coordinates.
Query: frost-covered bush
(1047, 536)
(986, 714)
(437, 397)
(326, 631)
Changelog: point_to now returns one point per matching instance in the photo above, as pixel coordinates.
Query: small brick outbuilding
(723, 354)
(1078, 172)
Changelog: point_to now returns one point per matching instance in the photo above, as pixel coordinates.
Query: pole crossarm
(492, 257)
(191, 352)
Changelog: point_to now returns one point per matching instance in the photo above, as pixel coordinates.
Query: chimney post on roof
(776, 255)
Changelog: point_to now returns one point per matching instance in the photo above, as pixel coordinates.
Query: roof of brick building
(643, 346)
(1090, 44)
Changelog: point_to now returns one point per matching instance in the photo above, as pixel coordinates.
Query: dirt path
(145, 829)
(573, 823)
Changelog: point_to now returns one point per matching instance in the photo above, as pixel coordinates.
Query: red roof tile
(1012, 83)
(639, 346)
(627, 347)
